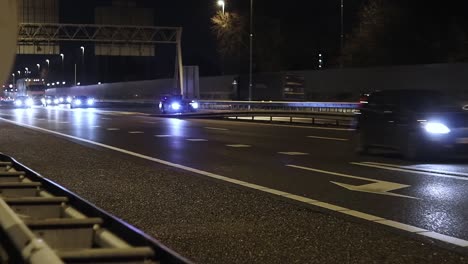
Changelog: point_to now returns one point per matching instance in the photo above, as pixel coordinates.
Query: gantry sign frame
(45, 33)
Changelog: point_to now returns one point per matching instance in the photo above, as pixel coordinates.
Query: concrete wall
(334, 84)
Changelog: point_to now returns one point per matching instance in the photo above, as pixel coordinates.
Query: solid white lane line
(410, 171)
(409, 167)
(136, 132)
(196, 139)
(400, 226)
(113, 129)
(329, 138)
(238, 146)
(216, 128)
(162, 136)
(292, 153)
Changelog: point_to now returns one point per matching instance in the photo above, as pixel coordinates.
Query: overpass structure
(45, 33)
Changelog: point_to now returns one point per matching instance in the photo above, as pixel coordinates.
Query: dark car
(177, 104)
(82, 102)
(416, 123)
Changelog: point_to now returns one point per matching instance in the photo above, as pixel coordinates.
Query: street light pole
(222, 4)
(63, 67)
(342, 33)
(82, 64)
(38, 68)
(14, 81)
(250, 49)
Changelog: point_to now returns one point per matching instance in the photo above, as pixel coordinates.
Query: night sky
(306, 29)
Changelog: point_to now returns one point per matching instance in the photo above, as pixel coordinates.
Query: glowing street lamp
(222, 4)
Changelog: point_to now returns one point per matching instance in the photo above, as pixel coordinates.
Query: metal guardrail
(336, 107)
(41, 222)
(330, 118)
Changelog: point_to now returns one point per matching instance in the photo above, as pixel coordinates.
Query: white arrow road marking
(442, 174)
(377, 187)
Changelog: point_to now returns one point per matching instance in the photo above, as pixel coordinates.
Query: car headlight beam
(176, 106)
(436, 128)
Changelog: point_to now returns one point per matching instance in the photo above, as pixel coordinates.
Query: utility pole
(251, 49)
(342, 34)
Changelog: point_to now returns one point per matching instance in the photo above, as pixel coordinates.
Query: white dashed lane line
(136, 132)
(328, 138)
(162, 136)
(196, 139)
(216, 128)
(293, 153)
(113, 129)
(238, 146)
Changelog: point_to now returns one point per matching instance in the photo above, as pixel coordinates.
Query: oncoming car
(23, 102)
(177, 104)
(81, 102)
(416, 123)
(49, 100)
(65, 99)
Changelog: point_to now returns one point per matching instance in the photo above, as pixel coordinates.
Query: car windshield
(429, 101)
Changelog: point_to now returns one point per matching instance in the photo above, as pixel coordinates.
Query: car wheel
(360, 145)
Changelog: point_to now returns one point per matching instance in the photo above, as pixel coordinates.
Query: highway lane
(314, 163)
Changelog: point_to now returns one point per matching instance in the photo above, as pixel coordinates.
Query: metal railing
(314, 118)
(336, 107)
(41, 222)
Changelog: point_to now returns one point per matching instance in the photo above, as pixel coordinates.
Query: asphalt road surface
(402, 205)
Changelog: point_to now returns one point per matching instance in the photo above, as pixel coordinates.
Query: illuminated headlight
(175, 106)
(90, 101)
(69, 99)
(78, 102)
(18, 103)
(49, 101)
(195, 105)
(29, 102)
(160, 105)
(43, 101)
(436, 128)
(61, 99)
(56, 101)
